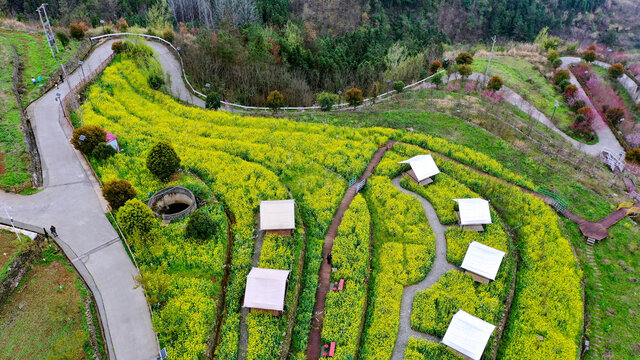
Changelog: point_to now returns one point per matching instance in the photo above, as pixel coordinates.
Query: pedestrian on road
(61, 79)
(330, 259)
(45, 232)
(53, 231)
(56, 84)
(33, 80)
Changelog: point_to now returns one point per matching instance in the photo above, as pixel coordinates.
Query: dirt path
(315, 335)
(438, 268)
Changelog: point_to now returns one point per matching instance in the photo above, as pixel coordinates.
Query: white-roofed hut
(266, 289)
(278, 217)
(482, 262)
(467, 335)
(423, 169)
(473, 214)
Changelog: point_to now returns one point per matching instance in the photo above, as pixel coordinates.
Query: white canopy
(266, 289)
(483, 260)
(474, 211)
(423, 166)
(277, 215)
(468, 334)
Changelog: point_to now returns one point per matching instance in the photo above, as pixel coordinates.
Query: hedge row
(418, 349)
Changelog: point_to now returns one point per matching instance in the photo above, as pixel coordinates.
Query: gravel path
(438, 268)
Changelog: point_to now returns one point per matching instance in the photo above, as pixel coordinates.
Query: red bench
(331, 348)
(338, 286)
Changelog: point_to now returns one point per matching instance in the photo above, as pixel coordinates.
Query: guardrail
(253, 108)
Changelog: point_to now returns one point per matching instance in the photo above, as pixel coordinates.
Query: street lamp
(555, 107)
(60, 101)
(81, 68)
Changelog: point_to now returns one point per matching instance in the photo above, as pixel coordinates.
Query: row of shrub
(344, 309)
(404, 248)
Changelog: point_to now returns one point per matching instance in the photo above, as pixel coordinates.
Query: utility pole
(486, 73)
(48, 31)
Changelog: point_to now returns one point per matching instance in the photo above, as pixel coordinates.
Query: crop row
(547, 303)
(404, 248)
(343, 309)
(261, 159)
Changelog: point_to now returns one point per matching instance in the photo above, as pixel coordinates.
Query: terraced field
(233, 162)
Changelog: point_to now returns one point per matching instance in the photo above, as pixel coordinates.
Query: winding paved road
(69, 201)
(438, 268)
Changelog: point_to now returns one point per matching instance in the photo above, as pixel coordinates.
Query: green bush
(556, 63)
(419, 349)
(434, 66)
(62, 37)
(465, 70)
(633, 156)
(118, 192)
(616, 70)
(327, 100)
(564, 84)
(561, 75)
(553, 56)
(398, 86)
(614, 114)
(86, 138)
(201, 226)
(495, 83)
(102, 151)
(76, 30)
(589, 56)
(213, 100)
(118, 46)
(275, 100)
(354, 97)
(163, 161)
(155, 81)
(136, 217)
(464, 58)
(168, 35)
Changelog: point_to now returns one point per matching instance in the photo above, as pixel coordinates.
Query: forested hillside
(247, 48)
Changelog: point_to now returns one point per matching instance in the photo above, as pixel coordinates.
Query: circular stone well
(172, 203)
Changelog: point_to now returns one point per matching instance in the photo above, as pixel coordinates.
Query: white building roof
(266, 289)
(474, 211)
(277, 215)
(423, 166)
(482, 260)
(468, 334)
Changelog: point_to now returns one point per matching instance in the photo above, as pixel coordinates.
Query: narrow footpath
(315, 335)
(438, 268)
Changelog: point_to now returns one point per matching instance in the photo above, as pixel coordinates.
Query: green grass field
(37, 61)
(45, 317)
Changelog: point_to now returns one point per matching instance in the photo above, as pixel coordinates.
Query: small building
(423, 169)
(482, 262)
(278, 216)
(266, 290)
(112, 141)
(473, 214)
(467, 335)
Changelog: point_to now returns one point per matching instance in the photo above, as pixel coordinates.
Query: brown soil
(43, 316)
(3, 169)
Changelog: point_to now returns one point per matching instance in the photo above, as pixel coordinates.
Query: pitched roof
(474, 211)
(482, 260)
(277, 215)
(423, 166)
(266, 289)
(468, 334)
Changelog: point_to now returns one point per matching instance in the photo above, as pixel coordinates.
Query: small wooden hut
(482, 262)
(423, 169)
(278, 217)
(467, 335)
(473, 214)
(266, 290)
